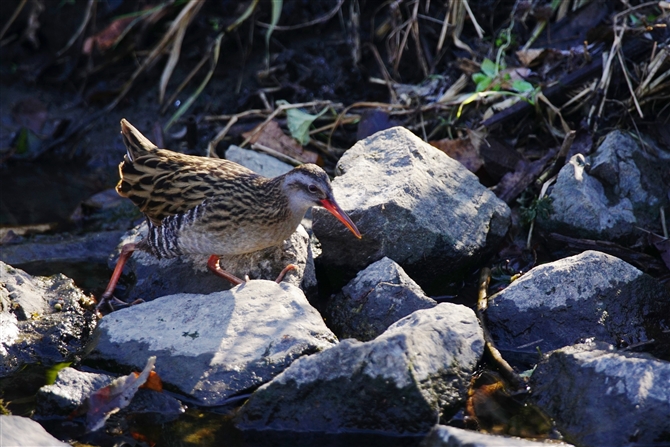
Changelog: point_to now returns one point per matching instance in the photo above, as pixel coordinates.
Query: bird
(212, 206)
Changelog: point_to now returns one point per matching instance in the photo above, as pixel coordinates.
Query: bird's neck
(283, 201)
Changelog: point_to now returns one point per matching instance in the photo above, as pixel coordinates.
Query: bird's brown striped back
(163, 183)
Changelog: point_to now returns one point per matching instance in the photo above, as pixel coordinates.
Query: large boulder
(415, 373)
(599, 397)
(413, 204)
(212, 347)
(590, 295)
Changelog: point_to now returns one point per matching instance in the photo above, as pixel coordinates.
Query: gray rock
(401, 382)
(263, 164)
(589, 295)
(69, 391)
(446, 436)
(606, 195)
(18, 431)
(413, 204)
(379, 296)
(72, 387)
(600, 397)
(34, 330)
(89, 247)
(212, 347)
(189, 274)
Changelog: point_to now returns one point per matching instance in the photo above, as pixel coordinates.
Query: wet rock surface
(588, 295)
(401, 382)
(413, 204)
(42, 320)
(189, 274)
(212, 347)
(606, 195)
(445, 436)
(89, 247)
(19, 431)
(379, 296)
(601, 397)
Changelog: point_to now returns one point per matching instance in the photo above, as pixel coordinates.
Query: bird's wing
(164, 183)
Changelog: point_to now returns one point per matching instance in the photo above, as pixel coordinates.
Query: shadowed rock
(413, 204)
(379, 296)
(401, 382)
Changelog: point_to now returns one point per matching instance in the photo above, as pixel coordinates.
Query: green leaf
(479, 77)
(483, 84)
(522, 86)
(298, 123)
(52, 373)
(21, 143)
(489, 68)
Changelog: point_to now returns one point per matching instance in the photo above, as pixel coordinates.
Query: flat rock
(401, 382)
(588, 295)
(19, 431)
(43, 320)
(212, 347)
(446, 436)
(413, 204)
(608, 194)
(189, 274)
(376, 298)
(89, 247)
(601, 398)
(263, 164)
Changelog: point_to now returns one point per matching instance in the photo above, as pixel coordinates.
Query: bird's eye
(313, 189)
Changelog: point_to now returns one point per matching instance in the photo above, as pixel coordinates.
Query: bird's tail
(136, 143)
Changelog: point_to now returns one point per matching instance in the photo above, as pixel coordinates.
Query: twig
(482, 303)
(157, 51)
(82, 26)
(316, 21)
(186, 80)
(663, 223)
(16, 13)
(276, 154)
(211, 147)
(630, 85)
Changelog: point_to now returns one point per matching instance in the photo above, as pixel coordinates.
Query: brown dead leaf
(106, 38)
(462, 150)
(273, 137)
(526, 57)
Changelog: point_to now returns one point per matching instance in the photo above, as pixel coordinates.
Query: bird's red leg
(287, 269)
(107, 296)
(213, 265)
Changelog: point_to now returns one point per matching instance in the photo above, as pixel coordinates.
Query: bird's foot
(110, 303)
(283, 273)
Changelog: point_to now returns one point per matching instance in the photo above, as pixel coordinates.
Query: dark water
(32, 193)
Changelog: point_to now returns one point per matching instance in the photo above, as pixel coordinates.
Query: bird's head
(309, 185)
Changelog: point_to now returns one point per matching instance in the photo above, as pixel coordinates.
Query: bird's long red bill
(336, 211)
